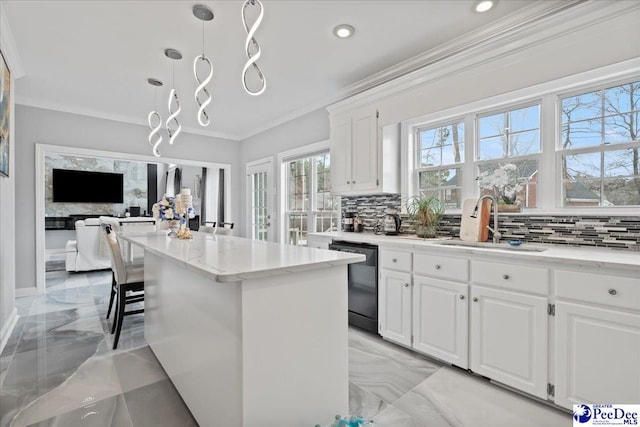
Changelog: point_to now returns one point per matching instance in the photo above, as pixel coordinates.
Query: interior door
(260, 194)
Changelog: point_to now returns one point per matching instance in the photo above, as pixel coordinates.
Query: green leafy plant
(425, 212)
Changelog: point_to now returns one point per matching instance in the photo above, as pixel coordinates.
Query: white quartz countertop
(597, 257)
(229, 259)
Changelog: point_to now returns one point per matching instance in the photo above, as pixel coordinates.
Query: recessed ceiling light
(483, 6)
(343, 31)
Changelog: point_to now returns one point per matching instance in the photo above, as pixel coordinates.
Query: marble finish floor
(58, 369)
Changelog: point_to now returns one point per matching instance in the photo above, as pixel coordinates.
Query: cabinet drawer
(511, 276)
(441, 267)
(623, 292)
(395, 260)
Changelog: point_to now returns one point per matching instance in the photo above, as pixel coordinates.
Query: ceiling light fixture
(252, 43)
(343, 31)
(204, 14)
(154, 137)
(174, 130)
(483, 6)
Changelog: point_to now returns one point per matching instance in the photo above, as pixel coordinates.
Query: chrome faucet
(494, 205)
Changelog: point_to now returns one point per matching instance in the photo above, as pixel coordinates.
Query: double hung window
(440, 159)
(508, 153)
(309, 206)
(599, 151)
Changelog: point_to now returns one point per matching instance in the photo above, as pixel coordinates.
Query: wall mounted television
(75, 186)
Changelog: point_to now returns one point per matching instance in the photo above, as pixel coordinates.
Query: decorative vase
(173, 227)
(509, 208)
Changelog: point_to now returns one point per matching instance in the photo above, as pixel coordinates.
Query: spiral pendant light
(173, 125)
(252, 45)
(204, 14)
(154, 137)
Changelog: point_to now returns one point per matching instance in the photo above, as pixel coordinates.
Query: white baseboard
(7, 329)
(26, 292)
(54, 251)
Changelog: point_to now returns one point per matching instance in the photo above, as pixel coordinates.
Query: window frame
(417, 148)
(550, 192)
(284, 158)
(600, 148)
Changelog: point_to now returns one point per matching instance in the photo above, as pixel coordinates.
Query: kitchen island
(251, 333)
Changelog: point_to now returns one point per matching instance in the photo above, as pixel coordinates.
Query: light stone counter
(229, 259)
(250, 333)
(560, 254)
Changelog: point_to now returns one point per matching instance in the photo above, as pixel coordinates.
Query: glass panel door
(259, 188)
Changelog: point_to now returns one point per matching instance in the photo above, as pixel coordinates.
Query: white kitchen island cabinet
(249, 332)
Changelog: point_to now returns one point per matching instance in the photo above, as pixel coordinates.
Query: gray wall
(35, 125)
(7, 216)
(307, 129)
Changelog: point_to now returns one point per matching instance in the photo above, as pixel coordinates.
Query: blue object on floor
(350, 422)
(515, 242)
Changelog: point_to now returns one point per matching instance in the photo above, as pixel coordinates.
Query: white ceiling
(93, 57)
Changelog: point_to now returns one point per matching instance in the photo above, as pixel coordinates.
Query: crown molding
(535, 32)
(8, 46)
(63, 108)
(527, 18)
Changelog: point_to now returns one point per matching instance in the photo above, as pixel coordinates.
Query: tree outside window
(440, 156)
(599, 147)
(310, 205)
(511, 137)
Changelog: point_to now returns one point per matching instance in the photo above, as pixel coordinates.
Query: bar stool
(125, 280)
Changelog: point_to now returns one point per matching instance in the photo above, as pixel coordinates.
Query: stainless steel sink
(488, 245)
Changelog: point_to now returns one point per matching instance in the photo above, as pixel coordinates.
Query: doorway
(260, 191)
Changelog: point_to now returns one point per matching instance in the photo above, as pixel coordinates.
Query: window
(310, 206)
(440, 154)
(599, 147)
(510, 141)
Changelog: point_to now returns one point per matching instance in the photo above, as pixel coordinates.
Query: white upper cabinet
(362, 160)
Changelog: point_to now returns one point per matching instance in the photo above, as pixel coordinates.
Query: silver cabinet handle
(438, 267)
(461, 296)
(505, 276)
(475, 299)
(612, 292)
(353, 182)
(348, 182)
(406, 285)
(394, 260)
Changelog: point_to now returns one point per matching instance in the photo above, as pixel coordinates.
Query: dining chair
(128, 285)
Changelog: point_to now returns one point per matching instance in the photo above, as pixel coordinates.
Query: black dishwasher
(363, 284)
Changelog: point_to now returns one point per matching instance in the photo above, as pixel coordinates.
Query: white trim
(87, 112)
(305, 150)
(258, 162)
(497, 39)
(284, 157)
(43, 150)
(256, 166)
(530, 32)
(26, 292)
(7, 329)
(8, 47)
(549, 191)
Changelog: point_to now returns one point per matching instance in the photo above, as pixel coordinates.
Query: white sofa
(84, 254)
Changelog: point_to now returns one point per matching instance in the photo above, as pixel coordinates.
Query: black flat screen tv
(87, 187)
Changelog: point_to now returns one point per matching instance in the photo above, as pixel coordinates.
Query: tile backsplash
(621, 232)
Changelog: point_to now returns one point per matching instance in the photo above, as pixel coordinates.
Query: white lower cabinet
(441, 319)
(597, 355)
(493, 316)
(394, 306)
(509, 338)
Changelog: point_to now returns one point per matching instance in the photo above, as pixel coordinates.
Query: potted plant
(425, 212)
